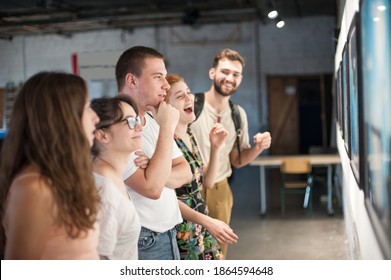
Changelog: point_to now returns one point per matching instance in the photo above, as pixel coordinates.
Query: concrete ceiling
(65, 17)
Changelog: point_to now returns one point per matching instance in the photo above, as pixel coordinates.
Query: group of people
(124, 177)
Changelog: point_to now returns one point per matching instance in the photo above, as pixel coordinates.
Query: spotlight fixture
(280, 23)
(272, 12)
(191, 14)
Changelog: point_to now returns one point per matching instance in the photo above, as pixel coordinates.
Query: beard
(219, 89)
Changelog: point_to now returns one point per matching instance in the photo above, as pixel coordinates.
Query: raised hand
(217, 135)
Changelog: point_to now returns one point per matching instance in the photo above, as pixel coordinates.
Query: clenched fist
(262, 140)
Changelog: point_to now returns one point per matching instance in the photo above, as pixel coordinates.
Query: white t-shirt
(161, 214)
(118, 222)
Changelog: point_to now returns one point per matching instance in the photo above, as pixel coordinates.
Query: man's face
(152, 84)
(226, 77)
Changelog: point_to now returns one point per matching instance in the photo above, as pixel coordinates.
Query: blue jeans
(158, 246)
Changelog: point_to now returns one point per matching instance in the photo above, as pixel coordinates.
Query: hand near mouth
(165, 115)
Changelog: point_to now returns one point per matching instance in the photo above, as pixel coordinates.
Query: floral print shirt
(194, 241)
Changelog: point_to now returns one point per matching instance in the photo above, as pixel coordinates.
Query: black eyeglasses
(131, 121)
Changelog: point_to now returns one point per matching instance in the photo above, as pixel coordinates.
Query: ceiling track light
(280, 22)
(271, 10)
(191, 14)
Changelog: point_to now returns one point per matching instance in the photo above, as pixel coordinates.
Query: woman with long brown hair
(48, 198)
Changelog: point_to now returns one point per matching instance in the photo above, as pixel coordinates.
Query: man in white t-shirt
(140, 73)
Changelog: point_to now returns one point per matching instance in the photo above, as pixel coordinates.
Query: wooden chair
(296, 179)
(319, 173)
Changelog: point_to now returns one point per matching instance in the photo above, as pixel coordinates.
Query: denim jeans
(158, 246)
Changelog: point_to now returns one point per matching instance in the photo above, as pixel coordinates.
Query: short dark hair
(132, 61)
(109, 111)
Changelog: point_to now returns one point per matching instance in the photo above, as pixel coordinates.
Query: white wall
(361, 237)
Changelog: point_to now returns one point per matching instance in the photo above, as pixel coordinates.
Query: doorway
(299, 118)
(299, 112)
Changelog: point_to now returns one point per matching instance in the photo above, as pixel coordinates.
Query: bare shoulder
(30, 187)
(30, 182)
(28, 215)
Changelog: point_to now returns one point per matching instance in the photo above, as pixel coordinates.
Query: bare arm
(220, 230)
(151, 180)
(180, 173)
(217, 136)
(262, 141)
(28, 219)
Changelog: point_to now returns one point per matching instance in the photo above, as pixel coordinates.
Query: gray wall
(303, 46)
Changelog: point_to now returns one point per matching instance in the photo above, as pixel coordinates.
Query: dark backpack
(199, 100)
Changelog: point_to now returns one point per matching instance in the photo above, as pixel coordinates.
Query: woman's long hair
(46, 130)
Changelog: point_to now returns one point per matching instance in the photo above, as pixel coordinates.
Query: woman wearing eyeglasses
(116, 136)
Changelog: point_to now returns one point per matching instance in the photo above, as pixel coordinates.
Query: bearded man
(226, 76)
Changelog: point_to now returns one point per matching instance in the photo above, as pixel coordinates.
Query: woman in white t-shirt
(116, 136)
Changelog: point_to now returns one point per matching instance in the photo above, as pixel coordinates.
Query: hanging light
(280, 22)
(272, 12)
(191, 14)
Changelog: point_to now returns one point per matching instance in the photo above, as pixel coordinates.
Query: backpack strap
(237, 122)
(199, 99)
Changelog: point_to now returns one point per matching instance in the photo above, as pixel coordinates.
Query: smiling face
(227, 76)
(122, 138)
(151, 84)
(179, 97)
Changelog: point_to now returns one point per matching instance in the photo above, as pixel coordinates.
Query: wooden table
(275, 161)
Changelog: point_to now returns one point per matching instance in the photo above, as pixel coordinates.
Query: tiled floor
(294, 237)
